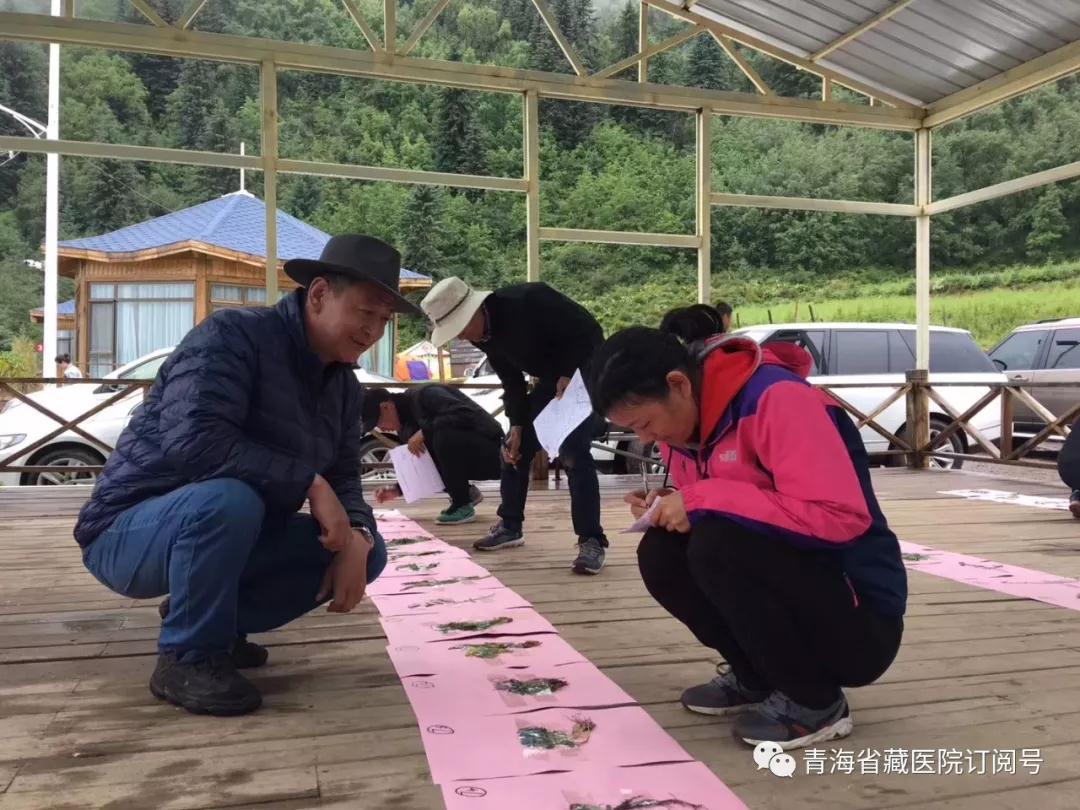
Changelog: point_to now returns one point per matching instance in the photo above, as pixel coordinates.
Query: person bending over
(530, 329)
(773, 550)
(464, 440)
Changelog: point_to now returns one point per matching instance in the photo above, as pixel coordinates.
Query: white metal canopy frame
(921, 63)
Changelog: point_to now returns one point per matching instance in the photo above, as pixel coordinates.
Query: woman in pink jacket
(773, 549)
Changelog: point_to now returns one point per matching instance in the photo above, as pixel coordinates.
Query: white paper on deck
(561, 416)
(645, 522)
(416, 475)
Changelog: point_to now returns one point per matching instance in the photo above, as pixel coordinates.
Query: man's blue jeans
(227, 571)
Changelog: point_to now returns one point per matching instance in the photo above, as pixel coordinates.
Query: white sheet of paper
(416, 475)
(643, 523)
(561, 416)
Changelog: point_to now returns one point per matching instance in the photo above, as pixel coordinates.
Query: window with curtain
(65, 342)
(226, 296)
(130, 320)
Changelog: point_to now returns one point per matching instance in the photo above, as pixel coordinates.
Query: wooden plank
(977, 669)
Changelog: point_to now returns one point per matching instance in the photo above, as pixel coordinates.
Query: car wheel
(651, 451)
(954, 444)
(71, 458)
(373, 452)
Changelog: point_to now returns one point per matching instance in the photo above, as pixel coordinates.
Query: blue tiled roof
(235, 222)
(63, 308)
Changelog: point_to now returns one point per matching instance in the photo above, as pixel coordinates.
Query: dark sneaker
(249, 655)
(476, 497)
(246, 654)
(210, 686)
(1074, 504)
(456, 515)
(781, 720)
(590, 558)
(721, 696)
(500, 537)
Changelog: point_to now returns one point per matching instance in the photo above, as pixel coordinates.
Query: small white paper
(645, 522)
(562, 416)
(416, 475)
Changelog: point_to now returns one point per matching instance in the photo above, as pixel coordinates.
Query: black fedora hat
(363, 258)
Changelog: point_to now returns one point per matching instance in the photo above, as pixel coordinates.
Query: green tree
(459, 144)
(1048, 225)
(420, 226)
(709, 68)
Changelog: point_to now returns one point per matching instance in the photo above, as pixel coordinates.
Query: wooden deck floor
(78, 728)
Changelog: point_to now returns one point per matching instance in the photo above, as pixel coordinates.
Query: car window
(147, 370)
(953, 353)
(1020, 350)
(1065, 350)
(957, 352)
(901, 358)
(813, 341)
(861, 351)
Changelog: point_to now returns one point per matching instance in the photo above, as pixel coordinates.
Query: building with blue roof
(142, 287)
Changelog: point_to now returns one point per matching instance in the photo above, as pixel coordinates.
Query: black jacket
(241, 397)
(435, 407)
(534, 330)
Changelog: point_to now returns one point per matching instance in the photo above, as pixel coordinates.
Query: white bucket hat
(450, 305)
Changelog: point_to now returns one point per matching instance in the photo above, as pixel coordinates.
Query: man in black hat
(254, 413)
(464, 440)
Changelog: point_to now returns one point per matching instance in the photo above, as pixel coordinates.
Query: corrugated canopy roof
(918, 50)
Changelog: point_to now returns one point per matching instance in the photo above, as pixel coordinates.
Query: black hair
(724, 308)
(633, 365)
(62, 358)
(693, 323)
(371, 408)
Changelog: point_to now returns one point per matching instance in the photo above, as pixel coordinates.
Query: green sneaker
(451, 517)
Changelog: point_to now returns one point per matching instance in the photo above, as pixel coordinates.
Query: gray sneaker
(476, 497)
(590, 558)
(500, 537)
(1074, 504)
(781, 720)
(721, 696)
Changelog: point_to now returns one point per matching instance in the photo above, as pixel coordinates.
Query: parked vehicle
(1042, 352)
(874, 357)
(22, 425)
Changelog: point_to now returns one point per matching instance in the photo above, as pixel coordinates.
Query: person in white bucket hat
(530, 329)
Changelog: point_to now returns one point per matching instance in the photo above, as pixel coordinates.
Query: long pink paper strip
(575, 686)
(461, 746)
(1013, 580)
(493, 747)
(682, 786)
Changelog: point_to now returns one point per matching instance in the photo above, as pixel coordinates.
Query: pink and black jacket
(782, 458)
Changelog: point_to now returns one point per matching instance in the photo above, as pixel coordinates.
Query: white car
(21, 425)
(875, 357)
